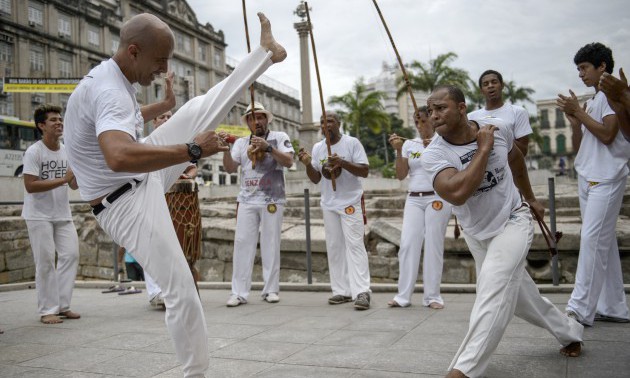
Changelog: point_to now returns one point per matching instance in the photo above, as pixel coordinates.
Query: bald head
(145, 30)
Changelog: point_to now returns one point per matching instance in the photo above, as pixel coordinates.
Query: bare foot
(455, 374)
(51, 319)
(436, 306)
(572, 350)
(268, 42)
(70, 315)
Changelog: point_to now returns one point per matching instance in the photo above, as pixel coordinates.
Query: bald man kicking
(124, 180)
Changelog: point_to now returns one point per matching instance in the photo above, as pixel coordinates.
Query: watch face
(194, 151)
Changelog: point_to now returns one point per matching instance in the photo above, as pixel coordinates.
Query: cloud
(531, 41)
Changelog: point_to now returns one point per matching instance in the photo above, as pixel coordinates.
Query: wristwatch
(194, 151)
(269, 148)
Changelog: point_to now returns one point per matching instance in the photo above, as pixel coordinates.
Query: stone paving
(302, 336)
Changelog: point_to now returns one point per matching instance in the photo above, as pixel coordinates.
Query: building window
(6, 52)
(5, 7)
(561, 144)
(560, 119)
(544, 119)
(217, 59)
(115, 43)
(94, 36)
(64, 26)
(546, 147)
(233, 179)
(65, 65)
(204, 79)
(6, 104)
(202, 51)
(35, 14)
(63, 101)
(36, 58)
(183, 43)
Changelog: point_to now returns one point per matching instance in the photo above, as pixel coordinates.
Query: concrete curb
(288, 286)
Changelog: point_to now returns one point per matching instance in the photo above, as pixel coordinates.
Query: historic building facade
(65, 39)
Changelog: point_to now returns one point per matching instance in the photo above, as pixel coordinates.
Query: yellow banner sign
(43, 85)
(236, 130)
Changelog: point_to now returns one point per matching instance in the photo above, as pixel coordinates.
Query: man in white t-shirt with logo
(343, 212)
(602, 166)
(48, 218)
(471, 165)
(262, 158)
(124, 180)
(515, 117)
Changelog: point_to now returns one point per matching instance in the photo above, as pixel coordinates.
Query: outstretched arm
(521, 180)
(618, 94)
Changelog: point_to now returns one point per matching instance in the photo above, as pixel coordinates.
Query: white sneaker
(272, 298)
(157, 300)
(235, 300)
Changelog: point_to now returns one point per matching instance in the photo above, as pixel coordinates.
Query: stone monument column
(308, 132)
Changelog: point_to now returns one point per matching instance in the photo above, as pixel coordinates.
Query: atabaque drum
(183, 204)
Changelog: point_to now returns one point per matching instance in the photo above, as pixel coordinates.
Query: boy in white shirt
(601, 164)
(48, 218)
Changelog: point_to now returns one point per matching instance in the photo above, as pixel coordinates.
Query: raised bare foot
(51, 319)
(455, 374)
(268, 42)
(572, 350)
(70, 315)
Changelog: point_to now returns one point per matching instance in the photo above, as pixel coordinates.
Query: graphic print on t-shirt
(53, 169)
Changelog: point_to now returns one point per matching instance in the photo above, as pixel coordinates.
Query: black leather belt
(113, 196)
(421, 194)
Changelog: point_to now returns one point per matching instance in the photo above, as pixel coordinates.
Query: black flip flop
(130, 290)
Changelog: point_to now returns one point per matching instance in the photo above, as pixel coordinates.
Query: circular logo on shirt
(437, 205)
(350, 210)
(272, 208)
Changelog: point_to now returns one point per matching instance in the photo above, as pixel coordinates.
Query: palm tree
(425, 77)
(361, 109)
(476, 99)
(515, 94)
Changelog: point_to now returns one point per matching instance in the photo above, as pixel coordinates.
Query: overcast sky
(529, 41)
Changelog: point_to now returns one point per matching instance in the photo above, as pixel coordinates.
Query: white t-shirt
(265, 184)
(104, 100)
(486, 212)
(349, 189)
(516, 117)
(419, 179)
(51, 205)
(596, 161)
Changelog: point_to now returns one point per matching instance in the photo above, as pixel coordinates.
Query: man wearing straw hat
(262, 157)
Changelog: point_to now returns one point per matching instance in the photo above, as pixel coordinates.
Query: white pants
(250, 220)
(347, 258)
(598, 280)
(54, 285)
(152, 287)
(505, 289)
(140, 219)
(422, 222)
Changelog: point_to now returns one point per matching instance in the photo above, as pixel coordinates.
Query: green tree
(425, 77)
(514, 94)
(362, 111)
(475, 99)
